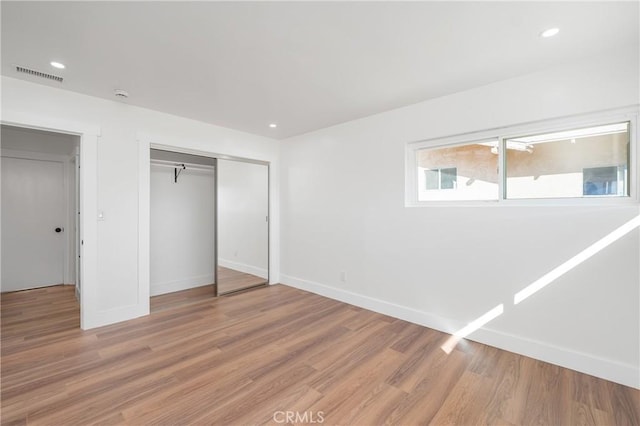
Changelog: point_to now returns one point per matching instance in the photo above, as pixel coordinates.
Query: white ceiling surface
(303, 65)
(31, 140)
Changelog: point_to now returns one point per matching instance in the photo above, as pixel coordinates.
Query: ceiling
(302, 65)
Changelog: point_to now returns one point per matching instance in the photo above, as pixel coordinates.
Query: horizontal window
(463, 172)
(585, 162)
(577, 162)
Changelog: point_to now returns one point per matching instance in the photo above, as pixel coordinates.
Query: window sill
(545, 202)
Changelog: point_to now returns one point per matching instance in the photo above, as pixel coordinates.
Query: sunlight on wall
(471, 327)
(576, 260)
(542, 282)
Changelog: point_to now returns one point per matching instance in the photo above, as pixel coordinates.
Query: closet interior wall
(182, 237)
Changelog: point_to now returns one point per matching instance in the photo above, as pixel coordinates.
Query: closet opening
(208, 227)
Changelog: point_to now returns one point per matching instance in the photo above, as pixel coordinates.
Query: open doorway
(40, 210)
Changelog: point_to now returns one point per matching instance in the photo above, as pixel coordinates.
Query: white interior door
(33, 207)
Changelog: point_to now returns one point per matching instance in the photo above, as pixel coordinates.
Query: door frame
(89, 135)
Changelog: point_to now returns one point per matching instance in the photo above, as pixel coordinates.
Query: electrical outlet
(343, 276)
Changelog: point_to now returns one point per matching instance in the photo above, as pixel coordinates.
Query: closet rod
(174, 164)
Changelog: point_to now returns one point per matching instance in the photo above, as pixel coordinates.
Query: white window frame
(629, 114)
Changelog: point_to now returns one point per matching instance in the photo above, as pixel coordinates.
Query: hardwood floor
(180, 298)
(263, 356)
(230, 280)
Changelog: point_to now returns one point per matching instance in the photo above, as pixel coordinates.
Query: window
(604, 180)
(432, 178)
(462, 172)
(595, 161)
(440, 178)
(589, 161)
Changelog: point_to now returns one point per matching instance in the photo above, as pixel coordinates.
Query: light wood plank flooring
(231, 280)
(243, 359)
(180, 298)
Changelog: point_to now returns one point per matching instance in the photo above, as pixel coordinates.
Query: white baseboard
(243, 267)
(628, 375)
(177, 285)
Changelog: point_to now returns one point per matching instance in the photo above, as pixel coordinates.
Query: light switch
(100, 215)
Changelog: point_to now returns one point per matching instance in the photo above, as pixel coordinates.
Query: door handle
(59, 229)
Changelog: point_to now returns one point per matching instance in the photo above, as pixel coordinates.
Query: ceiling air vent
(39, 74)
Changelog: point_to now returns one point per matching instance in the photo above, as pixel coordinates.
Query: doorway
(40, 206)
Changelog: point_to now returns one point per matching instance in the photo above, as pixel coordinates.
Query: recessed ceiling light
(57, 65)
(273, 125)
(550, 32)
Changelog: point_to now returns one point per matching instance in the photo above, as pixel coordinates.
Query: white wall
(242, 210)
(118, 294)
(342, 200)
(38, 141)
(182, 229)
